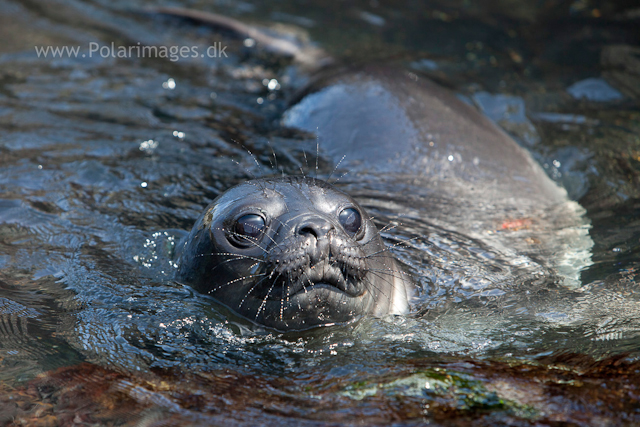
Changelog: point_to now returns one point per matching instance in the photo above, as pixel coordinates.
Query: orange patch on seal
(516, 224)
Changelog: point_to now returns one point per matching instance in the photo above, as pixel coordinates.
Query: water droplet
(169, 84)
(273, 84)
(148, 146)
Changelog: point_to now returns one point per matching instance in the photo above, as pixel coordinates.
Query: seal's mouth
(323, 275)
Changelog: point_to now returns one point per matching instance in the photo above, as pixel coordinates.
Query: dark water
(104, 160)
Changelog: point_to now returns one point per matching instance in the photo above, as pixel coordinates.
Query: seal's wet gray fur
(304, 270)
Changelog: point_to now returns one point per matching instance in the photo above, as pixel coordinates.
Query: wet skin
(292, 253)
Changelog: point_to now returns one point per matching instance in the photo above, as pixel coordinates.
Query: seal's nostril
(315, 226)
(309, 230)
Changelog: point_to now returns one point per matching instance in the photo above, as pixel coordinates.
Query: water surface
(105, 161)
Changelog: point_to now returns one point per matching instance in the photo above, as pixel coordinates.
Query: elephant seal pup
(413, 148)
(292, 253)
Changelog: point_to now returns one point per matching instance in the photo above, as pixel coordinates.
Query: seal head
(292, 253)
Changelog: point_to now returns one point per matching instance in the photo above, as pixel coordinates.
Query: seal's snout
(316, 232)
(316, 253)
(315, 226)
(318, 250)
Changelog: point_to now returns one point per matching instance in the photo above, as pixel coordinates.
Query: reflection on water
(104, 160)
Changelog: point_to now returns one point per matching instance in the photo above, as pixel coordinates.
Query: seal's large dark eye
(350, 220)
(249, 225)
